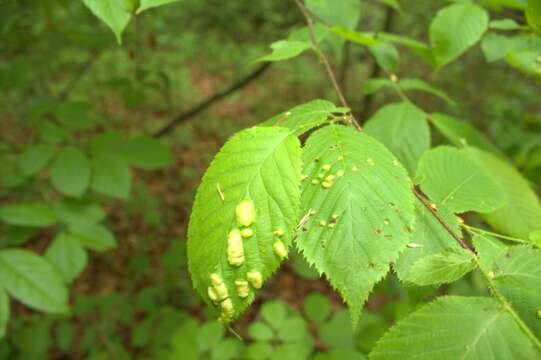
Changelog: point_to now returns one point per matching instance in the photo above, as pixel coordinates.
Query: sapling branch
(430, 206)
(326, 64)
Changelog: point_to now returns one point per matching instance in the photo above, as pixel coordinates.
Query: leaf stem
(476, 230)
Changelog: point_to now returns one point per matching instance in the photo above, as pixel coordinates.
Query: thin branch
(179, 119)
(325, 61)
(442, 222)
(63, 95)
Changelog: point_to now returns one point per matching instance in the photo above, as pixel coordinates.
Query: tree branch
(63, 95)
(442, 222)
(325, 61)
(179, 119)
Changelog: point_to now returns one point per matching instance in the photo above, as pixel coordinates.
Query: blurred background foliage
(68, 86)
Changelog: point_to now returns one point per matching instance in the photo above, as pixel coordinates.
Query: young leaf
(114, 13)
(407, 84)
(345, 13)
(71, 211)
(4, 312)
(364, 210)
(428, 238)
(533, 14)
(371, 86)
(257, 165)
(450, 177)
(455, 327)
(517, 275)
(148, 4)
(111, 175)
(442, 268)
(32, 280)
(306, 116)
(286, 49)
(403, 129)
(460, 133)
(146, 153)
(386, 56)
(68, 255)
(93, 236)
(505, 24)
(455, 29)
(70, 172)
(521, 213)
(35, 158)
(28, 214)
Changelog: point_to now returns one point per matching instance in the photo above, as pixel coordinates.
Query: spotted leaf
(252, 183)
(362, 210)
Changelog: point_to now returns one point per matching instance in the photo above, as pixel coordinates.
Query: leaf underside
(260, 164)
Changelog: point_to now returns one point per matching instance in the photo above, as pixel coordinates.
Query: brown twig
(177, 120)
(442, 222)
(325, 61)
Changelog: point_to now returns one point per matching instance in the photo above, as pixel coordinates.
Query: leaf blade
(373, 181)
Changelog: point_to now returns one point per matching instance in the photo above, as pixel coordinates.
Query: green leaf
(517, 275)
(386, 56)
(403, 129)
(535, 237)
(75, 115)
(505, 24)
(274, 313)
(317, 307)
(306, 116)
(27, 214)
(442, 268)
(33, 281)
(146, 153)
(93, 236)
(428, 238)
(286, 49)
(148, 4)
(455, 29)
(4, 312)
(68, 255)
(71, 211)
(113, 13)
(460, 133)
(70, 172)
(369, 205)
(489, 249)
(260, 332)
(52, 133)
(209, 336)
(345, 13)
(454, 327)
(361, 38)
(533, 14)
(35, 158)
(372, 86)
(521, 213)
(111, 175)
(497, 47)
(451, 178)
(258, 164)
(420, 85)
(293, 330)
